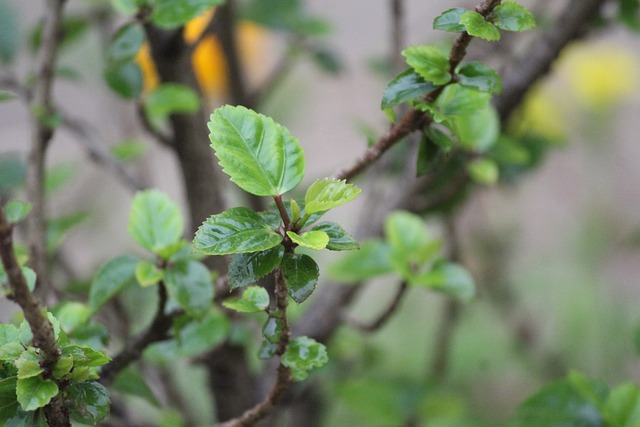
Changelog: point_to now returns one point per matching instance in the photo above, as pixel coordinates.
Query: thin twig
(226, 17)
(157, 331)
(159, 136)
(43, 336)
(384, 317)
(42, 131)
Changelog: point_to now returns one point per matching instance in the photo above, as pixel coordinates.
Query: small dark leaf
(477, 75)
(449, 20)
(174, 13)
(339, 240)
(272, 329)
(404, 87)
(88, 402)
(248, 268)
(126, 43)
(300, 274)
(125, 79)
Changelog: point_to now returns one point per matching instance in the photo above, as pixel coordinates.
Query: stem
(157, 331)
(384, 317)
(283, 212)
(43, 336)
(226, 16)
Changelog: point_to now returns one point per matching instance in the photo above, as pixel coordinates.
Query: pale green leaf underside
(155, 220)
(477, 26)
(259, 155)
(429, 62)
(254, 299)
(327, 194)
(316, 240)
(236, 230)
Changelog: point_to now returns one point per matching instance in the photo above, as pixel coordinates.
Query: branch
(387, 313)
(283, 377)
(157, 331)
(225, 18)
(161, 137)
(43, 336)
(414, 119)
(42, 110)
(536, 62)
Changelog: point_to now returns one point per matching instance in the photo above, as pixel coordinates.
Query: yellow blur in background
(208, 59)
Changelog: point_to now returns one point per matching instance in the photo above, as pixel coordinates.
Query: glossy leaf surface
(449, 20)
(259, 155)
(88, 402)
(248, 268)
(477, 75)
(404, 87)
(236, 230)
(304, 354)
(300, 274)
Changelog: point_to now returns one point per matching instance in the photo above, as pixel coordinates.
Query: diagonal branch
(384, 317)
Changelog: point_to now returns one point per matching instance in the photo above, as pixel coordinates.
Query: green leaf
(155, 220)
(24, 334)
(57, 228)
(15, 211)
(72, 314)
(248, 268)
(457, 100)
(477, 75)
(558, 403)
(477, 26)
(125, 79)
(8, 401)
(410, 240)
(327, 194)
(254, 299)
(62, 367)
(304, 354)
(6, 95)
(259, 155)
(88, 402)
(8, 333)
(429, 155)
(34, 392)
(629, 14)
(339, 240)
(449, 20)
(429, 62)
(10, 351)
(28, 365)
(174, 13)
(483, 171)
(478, 131)
(449, 278)
(511, 16)
(148, 273)
(10, 34)
(85, 356)
(126, 43)
(300, 274)
(372, 260)
(58, 176)
(13, 172)
(128, 150)
(236, 230)
(170, 98)
(272, 330)
(131, 382)
(622, 407)
(316, 240)
(189, 282)
(404, 87)
(295, 210)
(195, 337)
(111, 279)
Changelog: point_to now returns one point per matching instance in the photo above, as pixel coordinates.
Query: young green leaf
(248, 268)
(409, 237)
(372, 260)
(511, 16)
(28, 365)
(477, 26)
(148, 273)
(236, 230)
(404, 87)
(339, 240)
(111, 279)
(272, 329)
(15, 211)
(62, 367)
(477, 75)
(316, 240)
(254, 299)
(88, 402)
(35, 392)
(304, 354)
(300, 274)
(174, 13)
(457, 100)
(622, 407)
(170, 98)
(189, 283)
(259, 155)
(483, 171)
(155, 220)
(30, 277)
(449, 20)
(126, 43)
(327, 194)
(295, 210)
(85, 356)
(478, 131)
(449, 278)
(125, 79)
(8, 333)
(429, 62)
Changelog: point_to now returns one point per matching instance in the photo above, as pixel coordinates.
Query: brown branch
(283, 376)
(536, 62)
(226, 24)
(414, 119)
(42, 132)
(157, 331)
(384, 317)
(43, 336)
(162, 138)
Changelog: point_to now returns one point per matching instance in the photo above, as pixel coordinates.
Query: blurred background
(555, 251)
